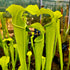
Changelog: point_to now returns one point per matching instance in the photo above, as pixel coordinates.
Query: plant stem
(69, 56)
(4, 67)
(29, 59)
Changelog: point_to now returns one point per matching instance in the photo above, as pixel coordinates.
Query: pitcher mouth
(19, 26)
(39, 39)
